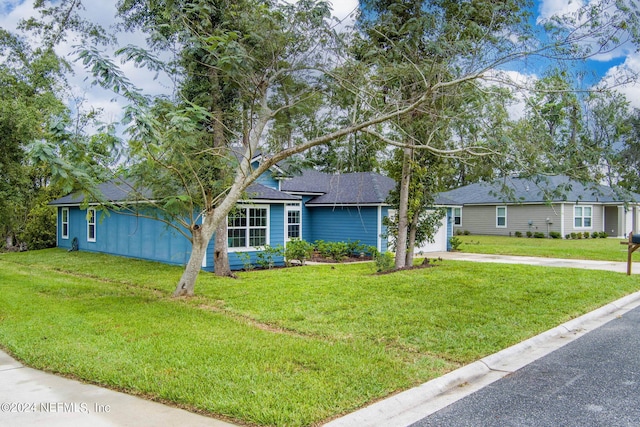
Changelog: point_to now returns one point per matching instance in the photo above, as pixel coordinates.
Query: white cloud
(550, 8)
(519, 84)
(621, 78)
(345, 10)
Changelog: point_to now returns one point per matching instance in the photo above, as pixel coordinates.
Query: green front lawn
(281, 347)
(608, 249)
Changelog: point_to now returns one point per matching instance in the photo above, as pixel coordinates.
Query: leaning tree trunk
(221, 254)
(403, 208)
(186, 285)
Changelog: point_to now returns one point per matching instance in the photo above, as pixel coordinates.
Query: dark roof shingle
(541, 189)
(343, 189)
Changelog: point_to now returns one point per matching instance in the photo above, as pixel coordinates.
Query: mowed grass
(608, 249)
(281, 347)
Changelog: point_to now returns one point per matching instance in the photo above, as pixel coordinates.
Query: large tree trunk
(403, 209)
(411, 243)
(220, 253)
(187, 283)
(220, 256)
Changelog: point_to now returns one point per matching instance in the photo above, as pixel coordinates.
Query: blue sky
(11, 11)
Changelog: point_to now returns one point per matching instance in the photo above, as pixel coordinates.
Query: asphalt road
(592, 381)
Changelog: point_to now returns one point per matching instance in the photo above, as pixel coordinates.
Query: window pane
(578, 222)
(293, 231)
(587, 211)
(257, 217)
(578, 211)
(238, 219)
(257, 237)
(587, 222)
(293, 217)
(237, 238)
(502, 221)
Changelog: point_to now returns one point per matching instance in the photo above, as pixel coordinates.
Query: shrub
(458, 232)
(40, 228)
(567, 236)
(595, 235)
(245, 258)
(518, 234)
(586, 234)
(603, 234)
(299, 250)
(355, 248)
(455, 243)
(529, 234)
(539, 235)
(266, 257)
(385, 261)
(574, 236)
(579, 236)
(555, 235)
(466, 232)
(336, 251)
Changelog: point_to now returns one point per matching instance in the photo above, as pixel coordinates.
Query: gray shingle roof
(344, 189)
(542, 189)
(119, 190)
(116, 190)
(261, 192)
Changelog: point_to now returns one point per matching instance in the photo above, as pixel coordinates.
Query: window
(64, 222)
(457, 216)
(91, 225)
(293, 221)
(582, 216)
(501, 216)
(247, 227)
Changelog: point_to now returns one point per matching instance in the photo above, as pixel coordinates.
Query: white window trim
(505, 217)
(453, 214)
(287, 209)
(268, 233)
(64, 211)
(94, 223)
(583, 217)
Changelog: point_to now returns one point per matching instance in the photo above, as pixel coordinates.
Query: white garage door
(440, 241)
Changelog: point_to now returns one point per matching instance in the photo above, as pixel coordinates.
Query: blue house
(312, 206)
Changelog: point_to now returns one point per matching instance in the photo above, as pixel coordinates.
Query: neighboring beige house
(542, 204)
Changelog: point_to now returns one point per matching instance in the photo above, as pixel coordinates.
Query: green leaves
(108, 75)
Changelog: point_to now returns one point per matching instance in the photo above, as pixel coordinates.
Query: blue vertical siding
(138, 237)
(267, 179)
(306, 216)
(342, 224)
(126, 235)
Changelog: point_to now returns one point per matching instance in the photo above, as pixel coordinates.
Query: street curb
(416, 403)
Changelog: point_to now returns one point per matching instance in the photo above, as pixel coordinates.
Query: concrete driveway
(619, 267)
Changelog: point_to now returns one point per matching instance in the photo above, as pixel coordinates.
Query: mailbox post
(632, 245)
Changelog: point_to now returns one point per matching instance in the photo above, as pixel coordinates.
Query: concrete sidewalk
(29, 397)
